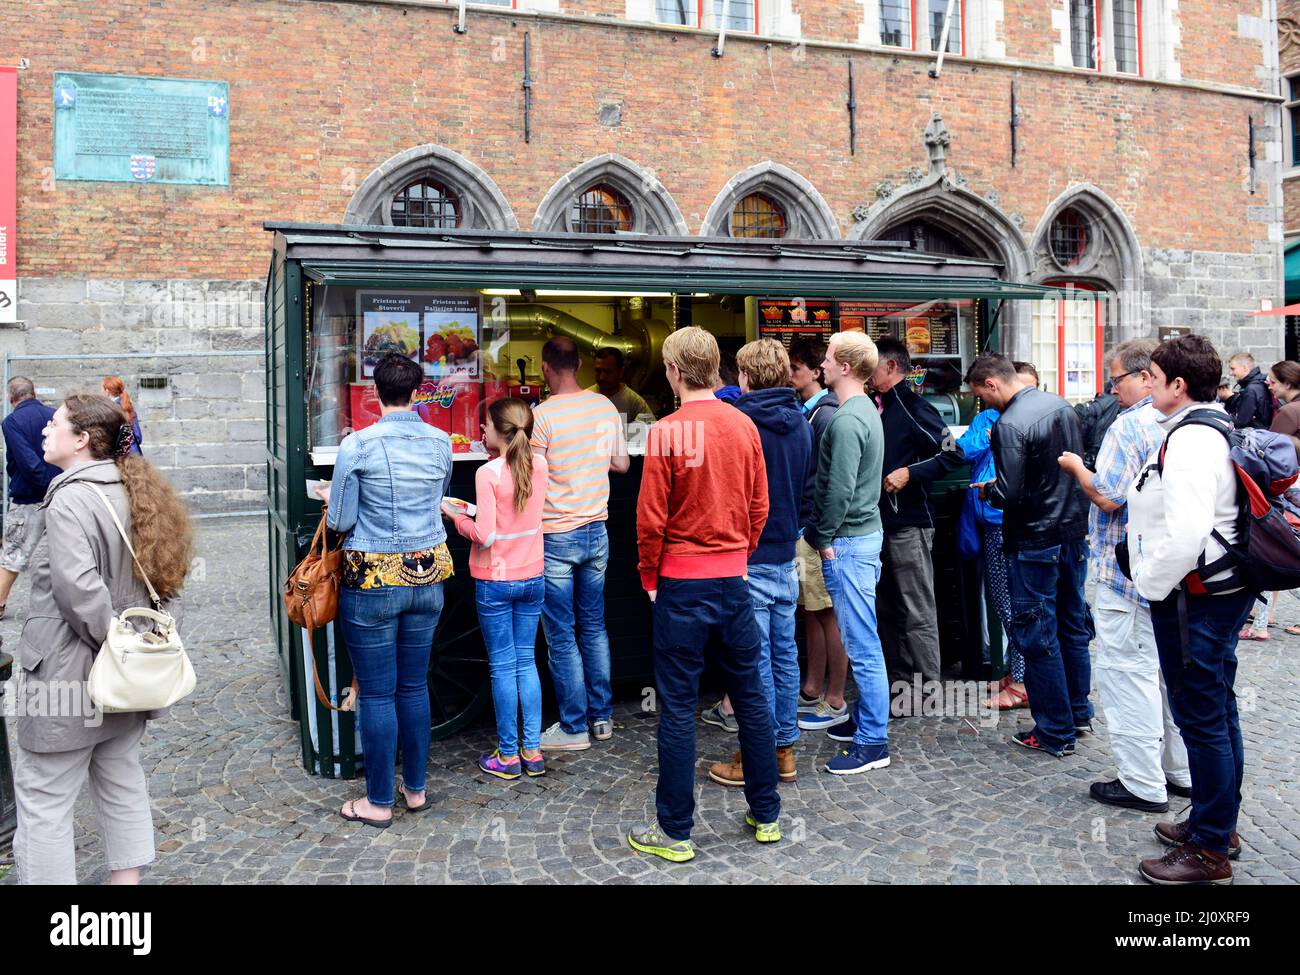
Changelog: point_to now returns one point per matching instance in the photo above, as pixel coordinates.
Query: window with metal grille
(758, 215)
(938, 10)
(1069, 237)
(1083, 33)
(425, 203)
(600, 210)
(1127, 15)
(896, 23)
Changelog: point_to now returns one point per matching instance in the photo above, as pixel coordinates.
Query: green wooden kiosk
(475, 307)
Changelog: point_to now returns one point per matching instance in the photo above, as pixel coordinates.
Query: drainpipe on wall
(722, 28)
(943, 40)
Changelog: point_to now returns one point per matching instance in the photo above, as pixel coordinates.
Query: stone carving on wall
(937, 141)
(1288, 35)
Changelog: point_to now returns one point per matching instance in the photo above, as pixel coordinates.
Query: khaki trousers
(47, 785)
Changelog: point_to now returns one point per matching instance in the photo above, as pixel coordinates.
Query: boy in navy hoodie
(768, 399)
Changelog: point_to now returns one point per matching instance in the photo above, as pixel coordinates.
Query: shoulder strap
(122, 531)
(1196, 418)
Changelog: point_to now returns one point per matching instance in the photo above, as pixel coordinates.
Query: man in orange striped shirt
(581, 435)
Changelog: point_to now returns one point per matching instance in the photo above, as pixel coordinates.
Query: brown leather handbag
(311, 600)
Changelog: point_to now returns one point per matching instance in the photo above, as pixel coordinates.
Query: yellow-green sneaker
(763, 832)
(652, 840)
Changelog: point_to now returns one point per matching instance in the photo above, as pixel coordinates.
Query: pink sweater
(507, 542)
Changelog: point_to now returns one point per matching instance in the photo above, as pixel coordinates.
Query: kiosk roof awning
(406, 257)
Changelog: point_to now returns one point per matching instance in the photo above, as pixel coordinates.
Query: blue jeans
(774, 591)
(389, 633)
(1052, 626)
(1204, 705)
(507, 614)
(687, 612)
(573, 618)
(851, 579)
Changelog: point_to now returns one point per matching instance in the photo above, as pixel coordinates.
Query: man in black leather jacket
(1252, 404)
(1044, 526)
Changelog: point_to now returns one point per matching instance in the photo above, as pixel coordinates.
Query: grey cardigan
(81, 578)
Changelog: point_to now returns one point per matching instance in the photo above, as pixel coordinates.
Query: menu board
(786, 319)
(441, 331)
(929, 329)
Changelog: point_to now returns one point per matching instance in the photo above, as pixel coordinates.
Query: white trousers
(1144, 740)
(47, 785)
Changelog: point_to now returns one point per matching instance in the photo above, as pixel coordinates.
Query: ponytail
(513, 420)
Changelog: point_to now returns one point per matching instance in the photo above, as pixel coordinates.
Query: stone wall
(206, 428)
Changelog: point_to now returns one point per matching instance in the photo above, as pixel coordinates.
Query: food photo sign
(439, 331)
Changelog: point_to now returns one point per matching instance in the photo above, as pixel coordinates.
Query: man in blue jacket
(29, 476)
(768, 400)
(919, 449)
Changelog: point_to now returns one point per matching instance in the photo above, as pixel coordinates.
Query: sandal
(406, 803)
(1018, 699)
(376, 823)
(1293, 630)
(1249, 633)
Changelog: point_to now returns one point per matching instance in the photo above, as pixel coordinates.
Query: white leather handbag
(139, 670)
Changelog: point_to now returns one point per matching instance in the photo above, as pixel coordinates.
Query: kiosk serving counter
(474, 309)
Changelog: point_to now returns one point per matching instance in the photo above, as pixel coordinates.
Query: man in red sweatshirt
(702, 508)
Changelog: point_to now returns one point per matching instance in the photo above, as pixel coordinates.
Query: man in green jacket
(849, 535)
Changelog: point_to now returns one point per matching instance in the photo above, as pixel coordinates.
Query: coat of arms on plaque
(143, 167)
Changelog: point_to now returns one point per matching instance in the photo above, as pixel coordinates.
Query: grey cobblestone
(232, 803)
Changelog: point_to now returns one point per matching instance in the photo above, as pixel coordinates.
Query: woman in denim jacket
(389, 481)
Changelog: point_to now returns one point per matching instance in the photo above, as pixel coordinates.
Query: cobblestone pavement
(232, 803)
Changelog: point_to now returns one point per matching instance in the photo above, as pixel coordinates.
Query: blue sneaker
(822, 716)
(844, 731)
(858, 758)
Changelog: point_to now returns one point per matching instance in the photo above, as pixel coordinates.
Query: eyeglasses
(1114, 380)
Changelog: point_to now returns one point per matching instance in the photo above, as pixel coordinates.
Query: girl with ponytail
(81, 579)
(506, 563)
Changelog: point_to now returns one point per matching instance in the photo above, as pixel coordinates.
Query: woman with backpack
(506, 561)
(1182, 509)
(83, 577)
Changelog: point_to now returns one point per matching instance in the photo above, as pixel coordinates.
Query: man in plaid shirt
(1144, 740)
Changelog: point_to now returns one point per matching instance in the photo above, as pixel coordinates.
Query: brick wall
(322, 93)
(313, 111)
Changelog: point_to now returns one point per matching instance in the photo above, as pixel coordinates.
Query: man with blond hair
(849, 535)
(702, 509)
(768, 399)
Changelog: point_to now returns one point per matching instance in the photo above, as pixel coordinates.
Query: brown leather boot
(1186, 864)
(728, 773)
(785, 769)
(1175, 834)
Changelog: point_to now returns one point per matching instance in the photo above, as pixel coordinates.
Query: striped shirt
(1125, 449)
(577, 433)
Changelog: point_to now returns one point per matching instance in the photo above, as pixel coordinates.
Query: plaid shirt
(1125, 449)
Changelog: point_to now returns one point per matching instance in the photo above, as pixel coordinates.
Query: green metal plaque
(128, 129)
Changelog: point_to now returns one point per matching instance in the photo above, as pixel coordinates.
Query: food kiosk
(474, 309)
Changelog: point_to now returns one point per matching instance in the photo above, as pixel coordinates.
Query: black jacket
(916, 438)
(1042, 505)
(1252, 404)
(1095, 417)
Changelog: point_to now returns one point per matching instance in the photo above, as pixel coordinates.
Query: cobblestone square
(232, 803)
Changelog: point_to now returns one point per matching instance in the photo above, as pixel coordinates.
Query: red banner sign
(8, 194)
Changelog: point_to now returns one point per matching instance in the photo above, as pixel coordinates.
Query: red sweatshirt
(703, 501)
